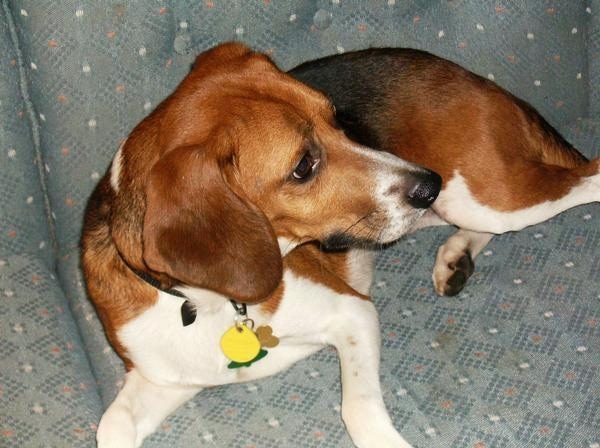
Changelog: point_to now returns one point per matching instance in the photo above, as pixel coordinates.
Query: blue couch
(510, 362)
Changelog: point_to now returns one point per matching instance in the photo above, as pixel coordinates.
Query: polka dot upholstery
(24, 212)
(510, 362)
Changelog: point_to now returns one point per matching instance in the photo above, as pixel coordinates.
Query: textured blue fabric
(594, 56)
(107, 366)
(585, 135)
(510, 362)
(23, 215)
(48, 394)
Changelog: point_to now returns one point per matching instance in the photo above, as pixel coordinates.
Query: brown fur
(434, 113)
(118, 293)
(330, 268)
(310, 262)
(474, 122)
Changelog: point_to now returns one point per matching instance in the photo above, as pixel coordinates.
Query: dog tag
(240, 344)
(264, 333)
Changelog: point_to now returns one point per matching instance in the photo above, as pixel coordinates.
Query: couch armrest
(24, 224)
(48, 395)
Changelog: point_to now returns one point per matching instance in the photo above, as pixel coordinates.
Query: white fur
(401, 215)
(458, 206)
(116, 167)
(383, 158)
(173, 362)
(360, 269)
(286, 245)
(390, 172)
(478, 222)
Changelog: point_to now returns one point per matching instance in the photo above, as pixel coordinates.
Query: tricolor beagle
(503, 166)
(202, 245)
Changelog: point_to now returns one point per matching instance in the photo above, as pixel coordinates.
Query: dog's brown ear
(198, 231)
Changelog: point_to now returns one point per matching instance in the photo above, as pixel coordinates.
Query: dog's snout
(425, 189)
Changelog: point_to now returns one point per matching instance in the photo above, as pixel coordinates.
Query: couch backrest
(24, 223)
(95, 68)
(594, 57)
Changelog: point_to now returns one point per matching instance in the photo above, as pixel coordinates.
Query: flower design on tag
(265, 335)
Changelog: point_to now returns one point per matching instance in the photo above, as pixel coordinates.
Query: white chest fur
(173, 362)
(168, 353)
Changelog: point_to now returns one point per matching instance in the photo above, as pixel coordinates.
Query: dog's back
(390, 98)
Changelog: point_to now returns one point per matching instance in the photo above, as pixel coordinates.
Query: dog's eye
(305, 167)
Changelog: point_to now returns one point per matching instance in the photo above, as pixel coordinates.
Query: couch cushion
(584, 134)
(594, 56)
(23, 217)
(106, 365)
(91, 82)
(48, 395)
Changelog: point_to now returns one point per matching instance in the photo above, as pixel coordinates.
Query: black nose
(425, 189)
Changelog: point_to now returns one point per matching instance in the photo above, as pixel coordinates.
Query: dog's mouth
(371, 236)
(341, 241)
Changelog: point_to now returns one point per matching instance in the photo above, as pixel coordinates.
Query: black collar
(188, 310)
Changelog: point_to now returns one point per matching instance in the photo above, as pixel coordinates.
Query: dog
(239, 216)
(503, 166)
(199, 240)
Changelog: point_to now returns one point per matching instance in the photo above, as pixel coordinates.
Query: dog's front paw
(116, 429)
(451, 271)
(372, 429)
(378, 436)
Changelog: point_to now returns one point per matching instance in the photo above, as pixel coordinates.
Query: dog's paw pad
(450, 279)
(464, 264)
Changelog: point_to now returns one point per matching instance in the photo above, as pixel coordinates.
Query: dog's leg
(478, 222)
(544, 189)
(137, 411)
(361, 264)
(454, 262)
(355, 334)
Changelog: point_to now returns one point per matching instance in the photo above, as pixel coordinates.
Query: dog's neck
(188, 308)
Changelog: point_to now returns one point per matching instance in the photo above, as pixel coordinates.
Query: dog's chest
(167, 352)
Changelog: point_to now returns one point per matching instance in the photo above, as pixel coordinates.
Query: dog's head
(242, 163)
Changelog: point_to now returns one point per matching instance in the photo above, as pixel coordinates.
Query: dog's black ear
(199, 232)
